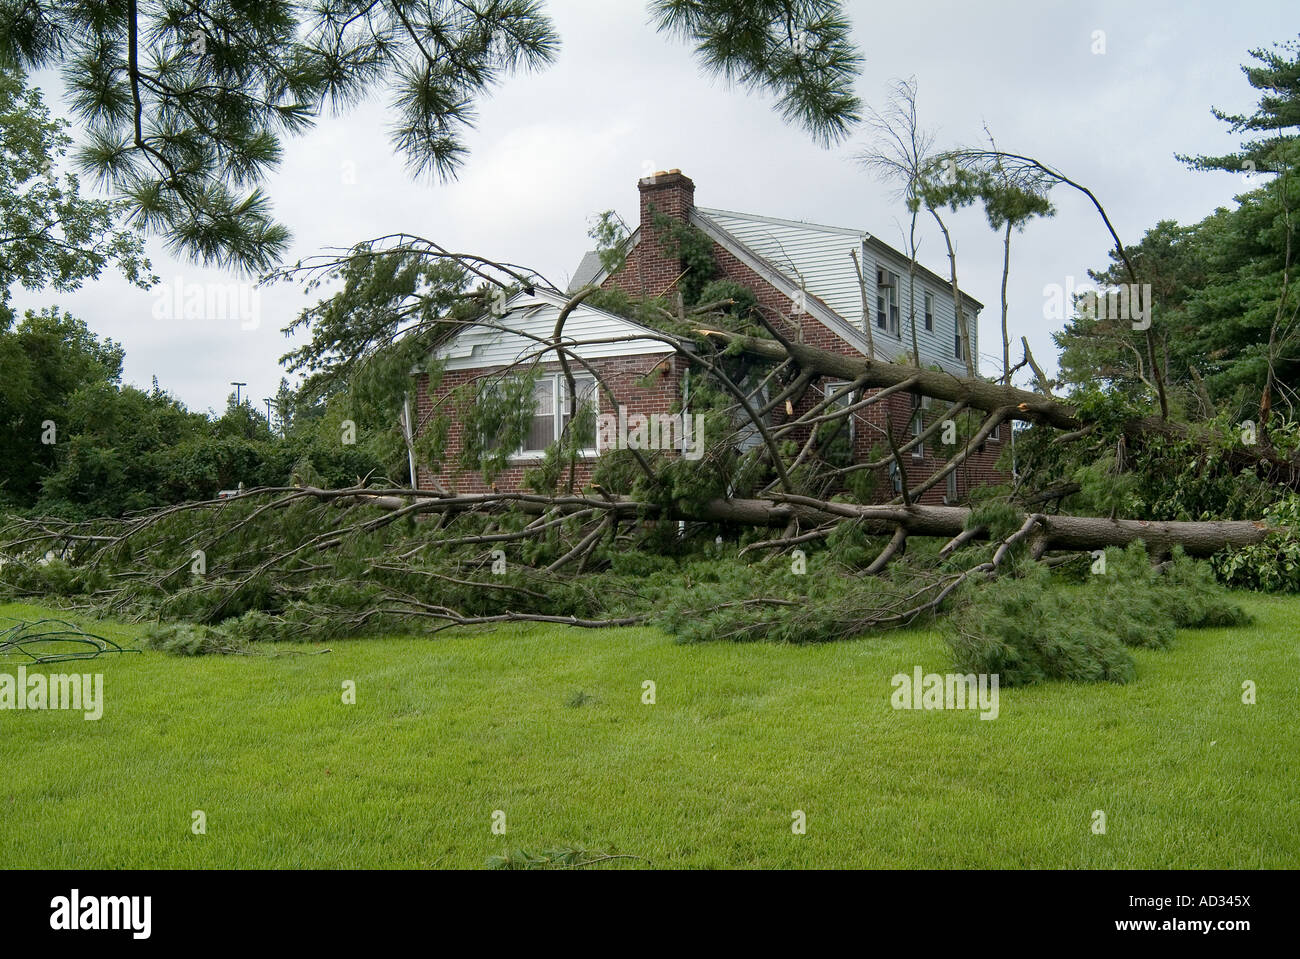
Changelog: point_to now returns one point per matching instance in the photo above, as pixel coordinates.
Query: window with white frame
(552, 413)
(835, 438)
(838, 392)
(960, 350)
(951, 490)
(917, 424)
(887, 301)
(929, 312)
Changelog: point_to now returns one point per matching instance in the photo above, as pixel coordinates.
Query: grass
(548, 726)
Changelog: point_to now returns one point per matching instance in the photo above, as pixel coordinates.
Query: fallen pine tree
(311, 563)
(1004, 403)
(763, 537)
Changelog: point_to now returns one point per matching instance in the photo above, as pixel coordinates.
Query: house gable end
(522, 333)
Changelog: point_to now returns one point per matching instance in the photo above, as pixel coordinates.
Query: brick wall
(643, 384)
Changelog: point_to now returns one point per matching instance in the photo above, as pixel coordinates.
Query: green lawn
(447, 730)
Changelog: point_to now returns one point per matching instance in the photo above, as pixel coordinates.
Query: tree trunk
(957, 299)
(1018, 404)
(1054, 531)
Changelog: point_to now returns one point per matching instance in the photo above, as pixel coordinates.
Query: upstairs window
(929, 312)
(957, 344)
(887, 301)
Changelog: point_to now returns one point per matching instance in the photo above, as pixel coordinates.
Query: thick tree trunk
(1053, 531)
(980, 394)
(977, 393)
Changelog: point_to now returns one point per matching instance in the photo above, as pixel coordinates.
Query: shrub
(1273, 565)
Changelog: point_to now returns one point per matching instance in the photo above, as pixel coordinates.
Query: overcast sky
(554, 148)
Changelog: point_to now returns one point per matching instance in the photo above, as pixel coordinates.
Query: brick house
(805, 273)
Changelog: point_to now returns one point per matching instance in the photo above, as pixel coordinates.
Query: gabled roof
(793, 256)
(778, 280)
(788, 283)
(816, 254)
(591, 333)
(587, 270)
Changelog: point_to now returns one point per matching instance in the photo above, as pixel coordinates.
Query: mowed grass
(448, 730)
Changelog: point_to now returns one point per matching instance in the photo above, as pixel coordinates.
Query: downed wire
(23, 637)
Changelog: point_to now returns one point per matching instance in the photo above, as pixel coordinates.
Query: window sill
(536, 456)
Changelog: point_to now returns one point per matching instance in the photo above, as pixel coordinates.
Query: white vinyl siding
(478, 347)
(812, 256)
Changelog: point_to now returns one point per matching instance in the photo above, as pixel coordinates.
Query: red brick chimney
(667, 193)
(671, 193)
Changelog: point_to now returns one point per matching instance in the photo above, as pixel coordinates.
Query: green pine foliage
(267, 581)
(692, 246)
(1032, 626)
(187, 107)
(187, 639)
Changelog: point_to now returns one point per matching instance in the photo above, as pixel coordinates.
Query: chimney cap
(664, 176)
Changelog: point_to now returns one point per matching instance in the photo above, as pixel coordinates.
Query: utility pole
(267, 401)
(237, 386)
